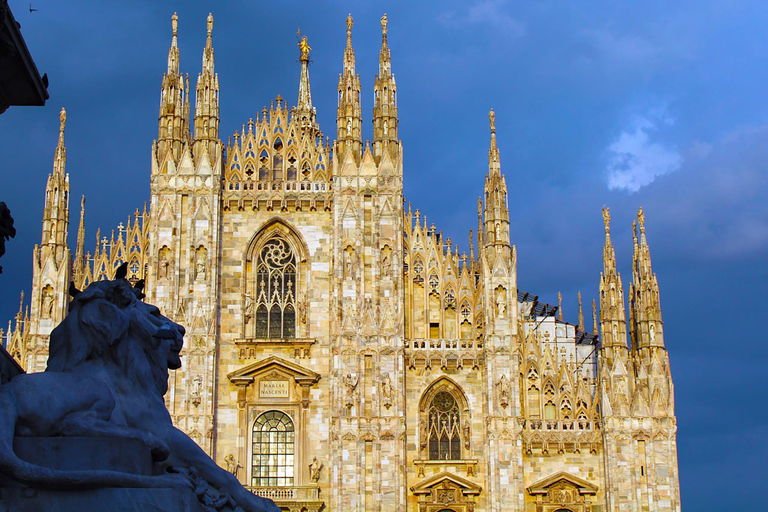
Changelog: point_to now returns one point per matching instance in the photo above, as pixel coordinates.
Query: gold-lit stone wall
(396, 338)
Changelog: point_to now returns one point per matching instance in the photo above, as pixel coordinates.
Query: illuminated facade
(340, 353)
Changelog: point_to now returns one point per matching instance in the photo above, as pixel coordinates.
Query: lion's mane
(107, 325)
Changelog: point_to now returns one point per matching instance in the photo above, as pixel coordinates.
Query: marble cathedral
(341, 355)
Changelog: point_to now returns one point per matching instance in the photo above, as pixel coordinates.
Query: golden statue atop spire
(175, 24)
(607, 220)
(641, 219)
(350, 22)
(384, 25)
(62, 119)
(304, 46)
(492, 116)
(210, 23)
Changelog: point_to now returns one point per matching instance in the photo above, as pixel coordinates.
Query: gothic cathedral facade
(341, 355)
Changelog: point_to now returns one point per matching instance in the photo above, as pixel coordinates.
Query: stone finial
(210, 23)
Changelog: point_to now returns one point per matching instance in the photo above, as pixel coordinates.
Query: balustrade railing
(444, 344)
(287, 493)
(277, 186)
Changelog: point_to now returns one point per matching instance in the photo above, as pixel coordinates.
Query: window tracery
(276, 290)
(444, 428)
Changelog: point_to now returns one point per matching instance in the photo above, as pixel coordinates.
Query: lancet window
(444, 433)
(276, 290)
(273, 450)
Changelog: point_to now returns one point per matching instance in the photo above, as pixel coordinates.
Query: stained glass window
(273, 450)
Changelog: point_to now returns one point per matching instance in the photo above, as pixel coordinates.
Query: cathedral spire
(644, 302)
(581, 314)
(612, 315)
(173, 129)
(385, 98)
(60, 159)
(56, 212)
(496, 210)
(349, 112)
(207, 102)
(305, 111)
(78, 265)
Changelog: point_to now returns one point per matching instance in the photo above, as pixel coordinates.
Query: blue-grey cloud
(635, 160)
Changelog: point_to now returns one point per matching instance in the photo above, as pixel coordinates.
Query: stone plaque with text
(273, 389)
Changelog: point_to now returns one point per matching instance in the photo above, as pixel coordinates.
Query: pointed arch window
(276, 290)
(273, 450)
(444, 434)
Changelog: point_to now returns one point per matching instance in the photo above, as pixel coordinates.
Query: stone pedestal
(76, 453)
(99, 500)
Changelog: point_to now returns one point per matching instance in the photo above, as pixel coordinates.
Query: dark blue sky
(597, 103)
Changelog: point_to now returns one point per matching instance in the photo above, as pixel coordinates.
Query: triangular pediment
(542, 486)
(247, 374)
(448, 480)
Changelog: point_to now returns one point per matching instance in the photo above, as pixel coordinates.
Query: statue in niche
(386, 264)
(106, 377)
(232, 464)
(652, 332)
(315, 468)
(350, 382)
(386, 391)
(47, 306)
(200, 264)
(466, 430)
(349, 263)
(165, 264)
(501, 301)
(504, 391)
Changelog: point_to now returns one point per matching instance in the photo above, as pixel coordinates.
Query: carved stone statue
(504, 390)
(350, 382)
(106, 376)
(501, 302)
(165, 264)
(248, 307)
(315, 468)
(232, 464)
(349, 263)
(386, 265)
(47, 305)
(386, 391)
(200, 266)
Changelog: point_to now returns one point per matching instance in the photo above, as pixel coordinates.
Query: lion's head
(108, 325)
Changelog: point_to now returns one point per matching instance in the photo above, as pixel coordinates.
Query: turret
(385, 100)
(348, 114)
(207, 102)
(173, 129)
(496, 210)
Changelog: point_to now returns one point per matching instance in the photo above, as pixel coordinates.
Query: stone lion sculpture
(106, 376)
